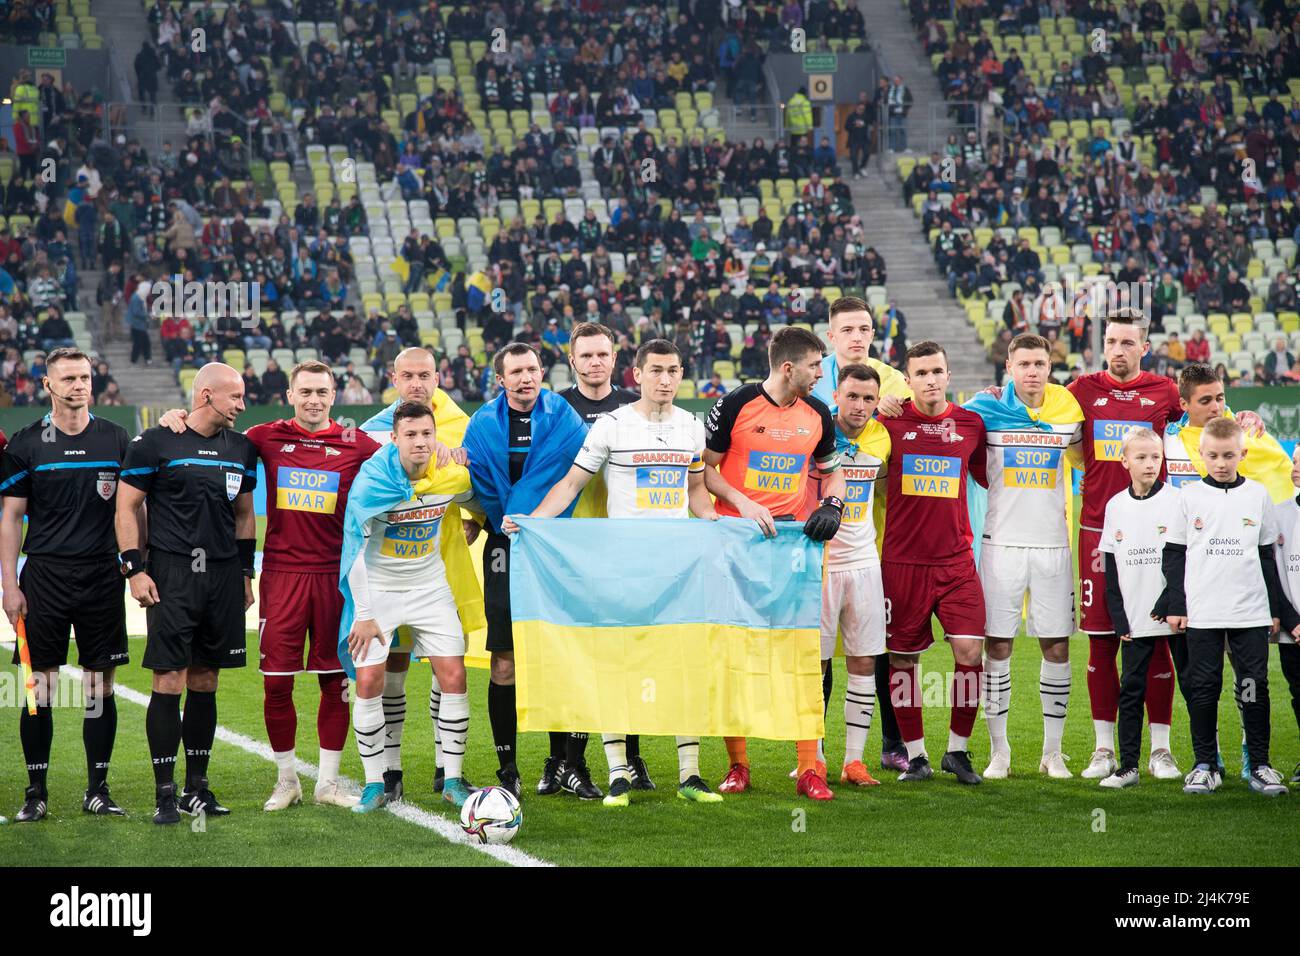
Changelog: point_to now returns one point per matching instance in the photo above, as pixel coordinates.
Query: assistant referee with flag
(198, 489)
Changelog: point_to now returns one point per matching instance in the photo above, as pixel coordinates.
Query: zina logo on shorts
(76, 909)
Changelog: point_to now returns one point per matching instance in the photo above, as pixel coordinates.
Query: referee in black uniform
(61, 474)
(197, 578)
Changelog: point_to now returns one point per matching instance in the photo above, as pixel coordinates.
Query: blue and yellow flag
(692, 628)
(1266, 460)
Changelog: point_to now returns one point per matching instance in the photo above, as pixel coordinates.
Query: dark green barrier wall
(12, 419)
(1278, 405)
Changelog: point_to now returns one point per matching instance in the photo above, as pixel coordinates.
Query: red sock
(1160, 684)
(905, 694)
(1103, 677)
(277, 708)
(965, 698)
(332, 717)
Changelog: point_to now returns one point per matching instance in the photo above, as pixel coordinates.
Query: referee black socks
(504, 720)
(559, 741)
(98, 731)
(198, 731)
(36, 733)
(162, 726)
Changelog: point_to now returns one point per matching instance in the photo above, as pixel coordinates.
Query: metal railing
(152, 130)
(765, 116)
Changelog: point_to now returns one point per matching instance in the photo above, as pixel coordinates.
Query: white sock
(688, 758)
(1105, 731)
(915, 748)
(1159, 737)
(957, 743)
(616, 756)
(1054, 692)
(288, 765)
(997, 701)
(821, 750)
(859, 706)
(329, 766)
(394, 702)
(453, 723)
(435, 702)
(368, 724)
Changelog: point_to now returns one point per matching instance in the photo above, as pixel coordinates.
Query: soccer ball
(491, 815)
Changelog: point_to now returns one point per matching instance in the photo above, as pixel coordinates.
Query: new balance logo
(1099, 402)
(287, 449)
(908, 436)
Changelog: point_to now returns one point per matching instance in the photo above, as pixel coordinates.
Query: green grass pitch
(1027, 820)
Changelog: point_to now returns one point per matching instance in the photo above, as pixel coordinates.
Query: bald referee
(60, 473)
(196, 488)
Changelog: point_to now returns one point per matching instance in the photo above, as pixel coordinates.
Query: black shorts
(85, 594)
(496, 593)
(199, 617)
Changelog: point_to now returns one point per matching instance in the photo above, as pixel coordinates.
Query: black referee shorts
(86, 594)
(199, 617)
(496, 593)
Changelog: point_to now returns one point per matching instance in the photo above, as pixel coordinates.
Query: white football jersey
(854, 545)
(403, 546)
(1026, 471)
(1178, 463)
(1286, 517)
(646, 463)
(1135, 531)
(1224, 530)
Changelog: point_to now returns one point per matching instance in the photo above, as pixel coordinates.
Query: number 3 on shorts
(1085, 586)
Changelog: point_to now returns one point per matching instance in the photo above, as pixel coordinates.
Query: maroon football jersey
(308, 475)
(926, 516)
(1110, 410)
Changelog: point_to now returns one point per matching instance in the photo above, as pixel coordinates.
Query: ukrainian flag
(478, 289)
(693, 628)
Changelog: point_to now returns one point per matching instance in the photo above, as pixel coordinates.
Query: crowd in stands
(1171, 176)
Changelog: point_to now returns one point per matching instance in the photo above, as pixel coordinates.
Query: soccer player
(928, 565)
(1133, 538)
(591, 355)
(310, 462)
(852, 329)
(1286, 516)
(1202, 398)
(61, 474)
(853, 598)
(520, 444)
(198, 487)
(1115, 401)
(1222, 584)
(651, 455)
(415, 374)
(395, 575)
(1026, 544)
(761, 439)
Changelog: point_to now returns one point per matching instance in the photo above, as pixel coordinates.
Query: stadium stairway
(913, 280)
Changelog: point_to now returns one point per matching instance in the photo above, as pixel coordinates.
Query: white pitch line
(445, 828)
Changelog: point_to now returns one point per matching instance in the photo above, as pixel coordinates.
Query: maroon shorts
(1093, 616)
(914, 592)
(292, 606)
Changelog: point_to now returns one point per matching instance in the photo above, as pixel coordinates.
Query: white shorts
(1046, 573)
(853, 602)
(429, 615)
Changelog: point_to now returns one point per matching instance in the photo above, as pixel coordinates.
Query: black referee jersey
(70, 483)
(191, 482)
(590, 410)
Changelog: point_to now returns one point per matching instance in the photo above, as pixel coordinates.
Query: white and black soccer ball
(491, 815)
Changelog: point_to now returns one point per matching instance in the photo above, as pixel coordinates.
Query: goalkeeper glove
(825, 521)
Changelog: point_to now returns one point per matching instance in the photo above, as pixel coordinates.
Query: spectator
(1198, 347)
(713, 388)
(356, 392)
(1279, 361)
(999, 351)
(275, 383)
(137, 320)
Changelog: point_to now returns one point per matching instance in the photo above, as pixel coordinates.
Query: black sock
(162, 726)
(98, 731)
(575, 748)
(828, 685)
(891, 738)
(633, 746)
(198, 731)
(558, 740)
(37, 734)
(504, 720)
